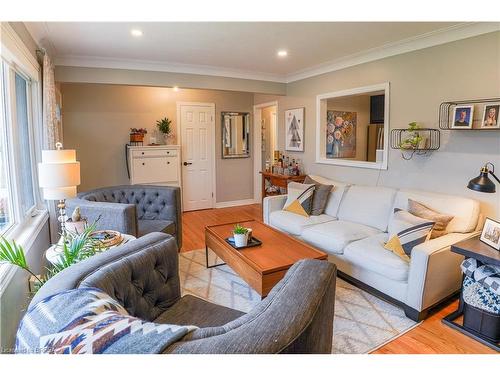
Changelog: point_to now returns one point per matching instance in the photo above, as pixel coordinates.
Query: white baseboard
(241, 202)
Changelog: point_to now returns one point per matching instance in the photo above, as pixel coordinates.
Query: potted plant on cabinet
(137, 134)
(164, 126)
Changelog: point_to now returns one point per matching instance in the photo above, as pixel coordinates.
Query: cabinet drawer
(153, 153)
(154, 169)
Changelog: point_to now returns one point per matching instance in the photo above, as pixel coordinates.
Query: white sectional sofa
(353, 229)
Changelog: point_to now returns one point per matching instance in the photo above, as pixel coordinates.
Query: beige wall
(97, 119)
(72, 74)
(419, 81)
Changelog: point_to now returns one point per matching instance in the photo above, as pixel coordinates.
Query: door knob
(186, 163)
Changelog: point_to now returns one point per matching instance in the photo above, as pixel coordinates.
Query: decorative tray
(252, 243)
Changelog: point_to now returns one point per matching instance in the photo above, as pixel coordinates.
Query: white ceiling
(239, 49)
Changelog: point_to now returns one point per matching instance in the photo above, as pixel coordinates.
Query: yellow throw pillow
(299, 200)
(394, 245)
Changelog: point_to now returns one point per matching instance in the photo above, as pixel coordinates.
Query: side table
(280, 180)
(472, 248)
(52, 254)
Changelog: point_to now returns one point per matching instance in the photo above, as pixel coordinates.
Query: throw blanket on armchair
(88, 321)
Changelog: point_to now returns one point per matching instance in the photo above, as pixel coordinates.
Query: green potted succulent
(414, 139)
(240, 235)
(164, 125)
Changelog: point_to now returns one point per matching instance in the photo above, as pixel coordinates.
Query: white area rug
(362, 322)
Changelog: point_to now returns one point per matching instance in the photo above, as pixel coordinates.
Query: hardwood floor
(430, 337)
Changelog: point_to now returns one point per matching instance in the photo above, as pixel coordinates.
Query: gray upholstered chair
(133, 209)
(296, 317)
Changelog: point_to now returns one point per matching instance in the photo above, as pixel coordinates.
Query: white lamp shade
(59, 174)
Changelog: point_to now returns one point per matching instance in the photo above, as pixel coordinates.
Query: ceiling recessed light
(282, 53)
(136, 32)
(176, 88)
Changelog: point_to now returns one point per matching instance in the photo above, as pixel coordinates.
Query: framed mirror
(352, 127)
(235, 135)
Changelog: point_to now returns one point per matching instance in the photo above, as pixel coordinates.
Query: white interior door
(198, 150)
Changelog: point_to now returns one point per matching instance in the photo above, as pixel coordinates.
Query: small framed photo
(490, 117)
(462, 117)
(491, 233)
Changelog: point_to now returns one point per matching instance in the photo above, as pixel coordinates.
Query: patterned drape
(51, 116)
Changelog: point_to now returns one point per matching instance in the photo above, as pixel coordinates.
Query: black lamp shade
(482, 183)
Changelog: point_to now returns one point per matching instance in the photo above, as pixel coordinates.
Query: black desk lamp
(482, 183)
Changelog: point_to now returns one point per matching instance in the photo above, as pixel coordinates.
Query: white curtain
(52, 130)
(51, 113)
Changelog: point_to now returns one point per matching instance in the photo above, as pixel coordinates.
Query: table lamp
(482, 183)
(59, 175)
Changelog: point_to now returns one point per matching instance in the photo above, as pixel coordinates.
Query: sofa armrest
(114, 216)
(270, 204)
(434, 271)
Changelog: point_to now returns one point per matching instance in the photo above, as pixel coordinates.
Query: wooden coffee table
(261, 266)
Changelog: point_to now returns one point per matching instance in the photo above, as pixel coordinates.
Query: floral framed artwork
(341, 134)
(294, 126)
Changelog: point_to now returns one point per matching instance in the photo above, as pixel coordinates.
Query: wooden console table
(279, 180)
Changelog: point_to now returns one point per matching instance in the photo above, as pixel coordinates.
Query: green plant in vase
(75, 248)
(414, 139)
(240, 235)
(164, 126)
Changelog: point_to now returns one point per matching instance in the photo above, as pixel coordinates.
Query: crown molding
(158, 66)
(434, 38)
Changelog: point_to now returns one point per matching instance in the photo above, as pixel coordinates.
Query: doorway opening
(266, 141)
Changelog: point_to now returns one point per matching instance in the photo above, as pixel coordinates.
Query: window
(18, 185)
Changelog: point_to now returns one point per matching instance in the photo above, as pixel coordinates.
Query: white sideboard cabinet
(154, 165)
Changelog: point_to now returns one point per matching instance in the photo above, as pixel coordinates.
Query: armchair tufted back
(141, 275)
(152, 203)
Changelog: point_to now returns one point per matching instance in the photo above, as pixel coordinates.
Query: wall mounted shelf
(431, 141)
(446, 112)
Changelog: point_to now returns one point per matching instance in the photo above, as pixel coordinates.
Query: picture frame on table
(462, 117)
(491, 233)
(294, 129)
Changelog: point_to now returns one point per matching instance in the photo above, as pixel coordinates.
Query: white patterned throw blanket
(88, 321)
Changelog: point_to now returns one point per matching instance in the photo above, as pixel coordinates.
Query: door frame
(257, 148)
(213, 158)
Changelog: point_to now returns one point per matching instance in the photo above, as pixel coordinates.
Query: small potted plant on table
(164, 126)
(240, 235)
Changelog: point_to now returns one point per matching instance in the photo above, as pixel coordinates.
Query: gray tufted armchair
(133, 209)
(143, 276)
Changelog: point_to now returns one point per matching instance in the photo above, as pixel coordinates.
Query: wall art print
(294, 125)
(340, 134)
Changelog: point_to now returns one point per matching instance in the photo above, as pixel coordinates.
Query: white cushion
(369, 205)
(465, 210)
(338, 190)
(293, 223)
(333, 236)
(369, 253)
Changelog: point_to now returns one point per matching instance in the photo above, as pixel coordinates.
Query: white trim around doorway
(257, 142)
(179, 134)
